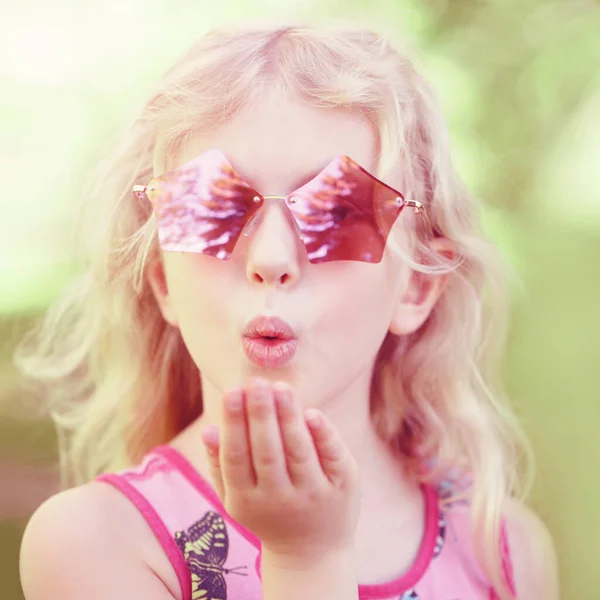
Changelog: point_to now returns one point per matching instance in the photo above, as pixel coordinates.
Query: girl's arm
(75, 549)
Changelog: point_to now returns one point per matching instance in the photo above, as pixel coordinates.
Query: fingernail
(259, 382)
(210, 438)
(283, 395)
(259, 392)
(210, 434)
(313, 417)
(282, 399)
(234, 401)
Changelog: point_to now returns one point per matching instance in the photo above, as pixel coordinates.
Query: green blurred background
(520, 85)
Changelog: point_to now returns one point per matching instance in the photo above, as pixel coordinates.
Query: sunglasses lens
(344, 214)
(202, 207)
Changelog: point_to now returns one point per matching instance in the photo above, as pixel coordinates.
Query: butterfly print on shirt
(205, 546)
(410, 595)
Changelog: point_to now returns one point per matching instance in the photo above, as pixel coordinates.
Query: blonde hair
(119, 380)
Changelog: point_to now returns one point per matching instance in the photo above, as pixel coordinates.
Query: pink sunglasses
(344, 213)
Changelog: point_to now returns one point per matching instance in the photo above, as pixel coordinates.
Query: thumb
(210, 437)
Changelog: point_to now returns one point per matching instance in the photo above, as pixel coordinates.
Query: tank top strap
(458, 562)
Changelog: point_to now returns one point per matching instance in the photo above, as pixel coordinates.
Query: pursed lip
(269, 327)
(269, 342)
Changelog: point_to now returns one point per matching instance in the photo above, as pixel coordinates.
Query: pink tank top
(215, 557)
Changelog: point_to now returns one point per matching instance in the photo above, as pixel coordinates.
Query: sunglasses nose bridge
(260, 214)
(290, 197)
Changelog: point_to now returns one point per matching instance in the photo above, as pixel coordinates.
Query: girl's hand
(283, 473)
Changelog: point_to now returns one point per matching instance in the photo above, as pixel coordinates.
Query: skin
(299, 436)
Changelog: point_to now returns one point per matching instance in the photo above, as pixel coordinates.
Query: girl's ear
(158, 283)
(421, 294)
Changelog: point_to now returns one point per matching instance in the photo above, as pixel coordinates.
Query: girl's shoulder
(77, 536)
(533, 553)
(526, 544)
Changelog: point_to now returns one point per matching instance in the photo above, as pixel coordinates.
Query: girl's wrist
(308, 559)
(329, 575)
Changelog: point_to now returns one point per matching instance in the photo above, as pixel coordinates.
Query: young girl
(272, 378)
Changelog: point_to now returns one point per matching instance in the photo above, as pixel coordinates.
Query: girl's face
(340, 312)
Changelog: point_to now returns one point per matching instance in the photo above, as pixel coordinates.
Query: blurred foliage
(519, 81)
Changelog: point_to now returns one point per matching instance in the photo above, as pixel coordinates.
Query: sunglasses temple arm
(140, 190)
(419, 209)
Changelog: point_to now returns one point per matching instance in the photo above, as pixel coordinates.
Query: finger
(266, 446)
(300, 453)
(334, 457)
(210, 437)
(236, 462)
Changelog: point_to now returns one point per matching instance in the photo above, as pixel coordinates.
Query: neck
(383, 475)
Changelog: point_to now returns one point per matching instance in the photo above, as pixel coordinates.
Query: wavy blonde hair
(119, 380)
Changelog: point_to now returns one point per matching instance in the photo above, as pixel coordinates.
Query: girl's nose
(274, 248)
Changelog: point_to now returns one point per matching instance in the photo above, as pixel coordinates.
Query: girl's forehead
(274, 145)
(282, 171)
